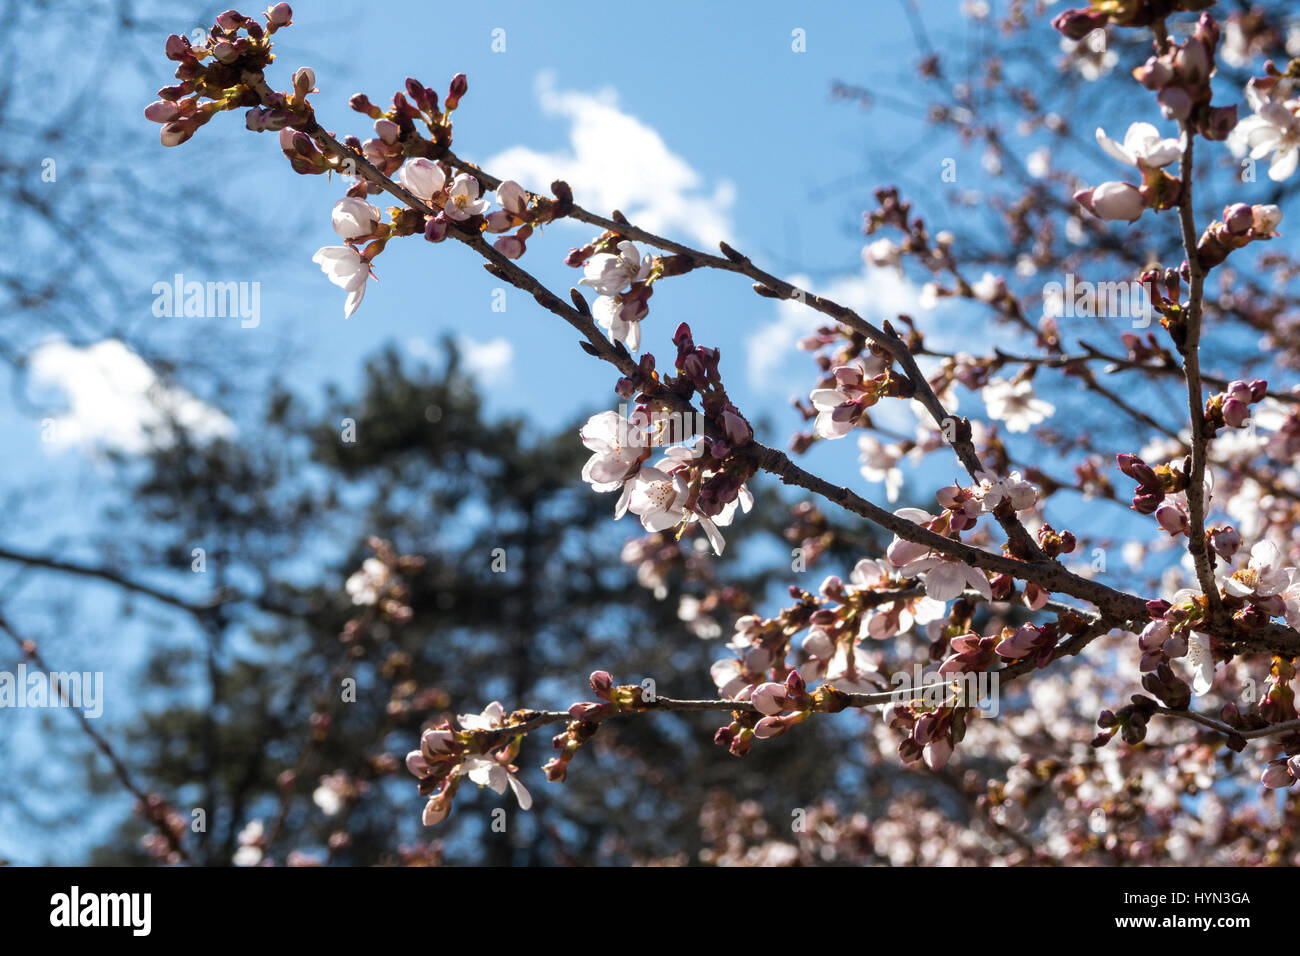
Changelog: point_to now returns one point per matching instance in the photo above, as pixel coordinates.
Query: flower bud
(1113, 201)
(1172, 519)
(1235, 413)
(1079, 22)
(1277, 775)
(1239, 218)
(769, 698)
(304, 81)
(1267, 218)
(937, 753)
(161, 111)
(770, 727)
(1175, 103)
(416, 763)
(1225, 541)
(423, 178)
(435, 228)
(178, 48)
(173, 134)
(280, 15)
(459, 86)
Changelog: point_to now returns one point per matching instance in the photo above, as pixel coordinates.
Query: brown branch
(1189, 347)
(32, 653)
(1051, 575)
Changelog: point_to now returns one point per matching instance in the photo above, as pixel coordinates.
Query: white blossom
(422, 178)
(344, 267)
(353, 218)
(1275, 128)
(463, 199)
(1014, 404)
(1143, 147)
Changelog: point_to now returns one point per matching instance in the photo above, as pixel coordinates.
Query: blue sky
(771, 162)
(700, 121)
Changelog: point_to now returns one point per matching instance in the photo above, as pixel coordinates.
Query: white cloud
(876, 293)
(489, 362)
(116, 401)
(615, 161)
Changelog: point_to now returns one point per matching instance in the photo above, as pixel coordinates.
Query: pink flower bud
(1277, 775)
(926, 725)
(1175, 647)
(585, 710)
(161, 111)
(512, 198)
(512, 247)
(1113, 201)
(177, 47)
(1236, 413)
(1239, 218)
(769, 698)
(1192, 61)
(459, 86)
(416, 763)
(304, 80)
(770, 727)
(1175, 103)
(1172, 519)
(436, 741)
(938, 752)
(435, 811)
(1079, 22)
(736, 429)
(280, 15)
(602, 682)
(173, 134)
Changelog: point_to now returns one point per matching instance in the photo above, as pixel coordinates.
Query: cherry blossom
(354, 218)
(493, 716)
(1113, 201)
(488, 772)
(839, 408)
(345, 267)
(1275, 128)
(367, 585)
(422, 178)
(618, 450)
(880, 463)
(1264, 577)
(609, 274)
(1014, 404)
(1143, 147)
(1201, 660)
(992, 491)
(620, 318)
(463, 200)
(946, 578)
